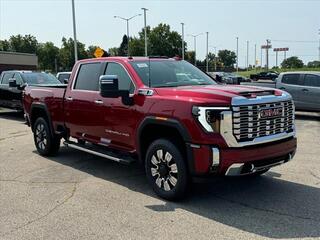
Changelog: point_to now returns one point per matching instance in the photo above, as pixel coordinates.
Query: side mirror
(65, 81)
(13, 83)
(109, 86)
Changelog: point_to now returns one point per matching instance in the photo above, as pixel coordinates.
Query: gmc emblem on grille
(270, 112)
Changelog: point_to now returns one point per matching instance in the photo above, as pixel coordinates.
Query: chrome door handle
(98, 101)
(69, 98)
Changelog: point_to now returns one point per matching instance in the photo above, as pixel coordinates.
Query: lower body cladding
(211, 160)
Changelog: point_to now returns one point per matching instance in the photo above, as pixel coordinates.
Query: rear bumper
(241, 161)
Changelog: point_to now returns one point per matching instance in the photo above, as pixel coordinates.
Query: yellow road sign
(98, 52)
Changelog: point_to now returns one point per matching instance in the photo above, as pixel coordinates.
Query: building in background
(17, 61)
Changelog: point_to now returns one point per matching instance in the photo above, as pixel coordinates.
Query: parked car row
(269, 75)
(228, 78)
(304, 88)
(12, 84)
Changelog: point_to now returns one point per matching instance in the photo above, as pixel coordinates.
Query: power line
(294, 41)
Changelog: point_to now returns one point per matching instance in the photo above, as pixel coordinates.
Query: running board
(99, 151)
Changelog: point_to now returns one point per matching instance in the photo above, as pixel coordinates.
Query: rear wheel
(46, 143)
(166, 170)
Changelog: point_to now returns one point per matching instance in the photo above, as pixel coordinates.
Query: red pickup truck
(168, 115)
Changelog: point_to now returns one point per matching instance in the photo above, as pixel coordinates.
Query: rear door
(293, 84)
(311, 91)
(82, 115)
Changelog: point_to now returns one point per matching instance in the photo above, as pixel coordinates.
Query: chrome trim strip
(240, 100)
(92, 152)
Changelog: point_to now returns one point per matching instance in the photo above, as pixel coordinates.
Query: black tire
(46, 143)
(166, 172)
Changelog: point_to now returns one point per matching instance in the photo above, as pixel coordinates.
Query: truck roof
(131, 59)
(302, 72)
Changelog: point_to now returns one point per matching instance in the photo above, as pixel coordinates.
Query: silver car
(304, 88)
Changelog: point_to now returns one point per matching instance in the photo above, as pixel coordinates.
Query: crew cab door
(82, 115)
(4, 89)
(311, 91)
(292, 83)
(120, 120)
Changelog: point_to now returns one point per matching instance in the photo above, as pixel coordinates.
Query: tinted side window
(291, 79)
(63, 77)
(88, 77)
(18, 78)
(312, 80)
(125, 82)
(6, 77)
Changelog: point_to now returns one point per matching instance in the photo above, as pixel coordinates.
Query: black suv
(12, 84)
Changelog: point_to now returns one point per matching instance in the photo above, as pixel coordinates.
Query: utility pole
(255, 56)
(276, 58)
(261, 59)
(207, 60)
(127, 20)
(182, 47)
(267, 54)
(319, 44)
(247, 55)
(237, 54)
(215, 59)
(74, 32)
(145, 32)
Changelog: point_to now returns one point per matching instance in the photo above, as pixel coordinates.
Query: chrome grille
(249, 124)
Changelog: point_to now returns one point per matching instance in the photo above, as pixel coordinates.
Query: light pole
(74, 32)
(319, 44)
(255, 56)
(195, 46)
(145, 31)
(127, 20)
(215, 58)
(207, 60)
(237, 54)
(247, 55)
(182, 47)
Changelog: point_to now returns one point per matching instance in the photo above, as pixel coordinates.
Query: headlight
(209, 117)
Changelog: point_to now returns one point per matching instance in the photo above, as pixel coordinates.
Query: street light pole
(207, 60)
(255, 56)
(74, 32)
(215, 59)
(247, 55)
(145, 31)
(127, 20)
(182, 47)
(237, 54)
(195, 46)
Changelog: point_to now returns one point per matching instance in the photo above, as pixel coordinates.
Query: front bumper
(241, 161)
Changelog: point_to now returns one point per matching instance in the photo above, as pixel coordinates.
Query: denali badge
(270, 112)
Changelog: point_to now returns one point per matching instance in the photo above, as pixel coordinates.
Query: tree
(292, 62)
(314, 64)
(189, 56)
(24, 44)
(4, 45)
(227, 57)
(113, 51)
(47, 55)
(136, 47)
(66, 53)
(123, 49)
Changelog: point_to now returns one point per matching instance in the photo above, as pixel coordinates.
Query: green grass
(247, 73)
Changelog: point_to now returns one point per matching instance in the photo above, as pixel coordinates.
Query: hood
(222, 94)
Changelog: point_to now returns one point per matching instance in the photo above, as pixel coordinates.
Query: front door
(120, 120)
(311, 91)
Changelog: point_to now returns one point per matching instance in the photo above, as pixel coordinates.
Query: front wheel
(46, 143)
(166, 170)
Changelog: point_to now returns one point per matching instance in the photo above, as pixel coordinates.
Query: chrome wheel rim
(41, 136)
(164, 170)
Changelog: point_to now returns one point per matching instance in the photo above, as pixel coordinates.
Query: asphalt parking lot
(79, 196)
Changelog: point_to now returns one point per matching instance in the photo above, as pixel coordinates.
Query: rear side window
(88, 77)
(291, 79)
(312, 80)
(18, 78)
(6, 77)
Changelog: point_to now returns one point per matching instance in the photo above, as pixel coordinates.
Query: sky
(293, 24)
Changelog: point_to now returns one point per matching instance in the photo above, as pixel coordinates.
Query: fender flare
(42, 106)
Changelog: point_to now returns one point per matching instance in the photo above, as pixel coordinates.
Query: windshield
(40, 78)
(170, 73)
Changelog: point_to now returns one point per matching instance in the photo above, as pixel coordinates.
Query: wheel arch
(40, 110)
(152, 128)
